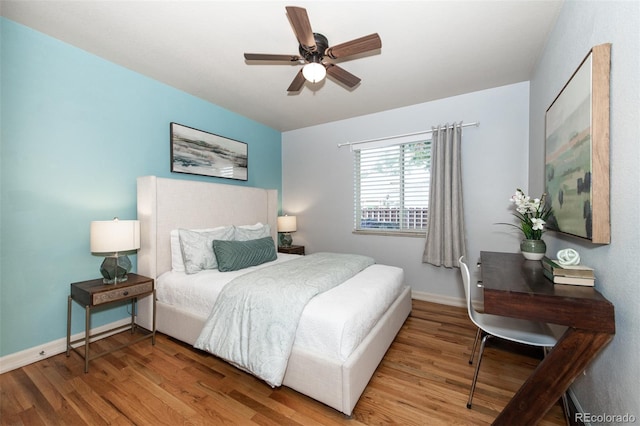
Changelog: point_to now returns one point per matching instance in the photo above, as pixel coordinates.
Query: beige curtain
(445, 227)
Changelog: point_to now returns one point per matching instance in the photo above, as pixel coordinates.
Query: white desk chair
(516, 330)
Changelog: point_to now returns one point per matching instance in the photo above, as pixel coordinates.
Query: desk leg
(87, 329)
(68, 325)
(133, 314)
(553, 376)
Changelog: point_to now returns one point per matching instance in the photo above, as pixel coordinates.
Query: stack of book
(568, 274)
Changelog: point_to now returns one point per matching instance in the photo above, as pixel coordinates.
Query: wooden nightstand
(93, 293)
(291, 250)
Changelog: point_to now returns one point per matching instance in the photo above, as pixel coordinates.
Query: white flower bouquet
(532, 214)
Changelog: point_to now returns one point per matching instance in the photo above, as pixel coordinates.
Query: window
(392, 187)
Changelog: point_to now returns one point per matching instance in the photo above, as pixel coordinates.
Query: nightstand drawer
(291, 250)
(121, 293)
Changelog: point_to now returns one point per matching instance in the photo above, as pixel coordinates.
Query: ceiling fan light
(314, 72)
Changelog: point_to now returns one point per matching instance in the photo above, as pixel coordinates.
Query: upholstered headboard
(167, 204)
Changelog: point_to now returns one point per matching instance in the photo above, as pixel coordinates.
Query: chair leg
(475, 375)
(475, 345)
(565, 408)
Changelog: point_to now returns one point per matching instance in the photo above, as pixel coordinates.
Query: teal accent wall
(76, 132)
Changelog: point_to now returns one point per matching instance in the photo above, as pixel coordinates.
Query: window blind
(392, 187)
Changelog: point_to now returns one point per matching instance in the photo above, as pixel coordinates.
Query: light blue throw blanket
(254, 319)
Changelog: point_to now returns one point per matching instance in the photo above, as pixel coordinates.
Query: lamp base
(285, 239)
(114, 269)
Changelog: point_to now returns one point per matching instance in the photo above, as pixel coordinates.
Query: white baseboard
(40, 352)
(438, 298)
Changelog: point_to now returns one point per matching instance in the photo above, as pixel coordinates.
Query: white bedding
(332, 324)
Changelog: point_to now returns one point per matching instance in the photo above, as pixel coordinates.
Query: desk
(517, 288)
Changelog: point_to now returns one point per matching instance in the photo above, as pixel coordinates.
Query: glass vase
(533, 249)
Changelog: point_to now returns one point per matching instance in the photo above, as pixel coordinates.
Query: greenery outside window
(392, 188)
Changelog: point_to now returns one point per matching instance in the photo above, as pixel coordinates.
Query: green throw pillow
(235, 255)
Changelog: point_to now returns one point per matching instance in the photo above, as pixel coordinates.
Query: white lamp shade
(287, 224)
(314, 72)
(110, 236)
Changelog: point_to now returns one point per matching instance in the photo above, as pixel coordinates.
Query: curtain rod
(340, 145)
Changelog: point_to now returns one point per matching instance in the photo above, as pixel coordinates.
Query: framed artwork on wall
(577, 151)
(197, 152)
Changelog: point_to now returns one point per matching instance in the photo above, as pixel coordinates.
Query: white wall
(317, 181)
(611, 383)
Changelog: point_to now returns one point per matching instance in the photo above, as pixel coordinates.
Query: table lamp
(286, 225)
(111, 238)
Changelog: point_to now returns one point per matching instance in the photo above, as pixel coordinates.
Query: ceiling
(430, 49)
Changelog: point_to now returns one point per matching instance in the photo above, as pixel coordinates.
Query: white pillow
(176, 253)
(258, 225)
(177, 261)
(197, 248)
(251, 232)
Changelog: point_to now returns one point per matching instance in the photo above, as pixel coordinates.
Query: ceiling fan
(313, 48)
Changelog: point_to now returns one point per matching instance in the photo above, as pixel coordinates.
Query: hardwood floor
(423, 379)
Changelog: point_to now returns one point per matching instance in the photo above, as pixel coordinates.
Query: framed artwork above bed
(577, 151)
(198, 152)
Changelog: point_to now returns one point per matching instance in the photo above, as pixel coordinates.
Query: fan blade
(359, 45)
(302, 27)
(297, 82)
(343, 76)
(268, 57)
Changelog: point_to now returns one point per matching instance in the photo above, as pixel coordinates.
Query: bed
(335, 379)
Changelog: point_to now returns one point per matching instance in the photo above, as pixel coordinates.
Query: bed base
(337, 385)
